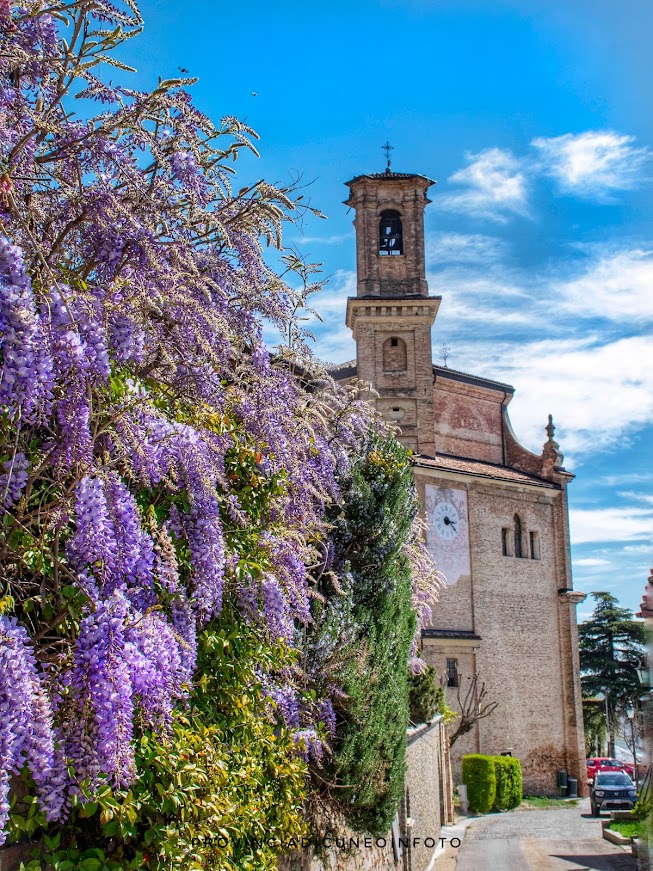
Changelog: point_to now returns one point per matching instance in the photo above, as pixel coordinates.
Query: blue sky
(536, 121)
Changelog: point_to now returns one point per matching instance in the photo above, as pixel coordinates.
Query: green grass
(546, 801)
(629, 828)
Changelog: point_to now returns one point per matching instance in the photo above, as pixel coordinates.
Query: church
(497, 513)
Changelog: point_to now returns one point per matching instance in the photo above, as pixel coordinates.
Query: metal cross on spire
(387, 148)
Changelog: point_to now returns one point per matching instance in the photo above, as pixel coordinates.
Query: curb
(457, 830)
(614, 837)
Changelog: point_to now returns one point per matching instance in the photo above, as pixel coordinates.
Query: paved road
(559, 839)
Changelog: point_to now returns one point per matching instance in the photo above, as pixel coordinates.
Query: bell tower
(392, 313)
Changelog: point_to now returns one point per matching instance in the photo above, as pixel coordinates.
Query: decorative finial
(551, 454)
(550, 428)
(445, 353)
(387, 148)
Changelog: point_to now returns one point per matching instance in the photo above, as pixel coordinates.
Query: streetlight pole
(630, 713)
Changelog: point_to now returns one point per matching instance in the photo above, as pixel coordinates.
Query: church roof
(455, 375)
(480, 469)
(342, 370)
(350, 370)
(389, 175)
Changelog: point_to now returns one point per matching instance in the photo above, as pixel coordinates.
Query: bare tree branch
(472, 708)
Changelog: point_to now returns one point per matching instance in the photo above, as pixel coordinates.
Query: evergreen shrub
(426, 696)
(509, 782)
(368, 763)
(479, 776)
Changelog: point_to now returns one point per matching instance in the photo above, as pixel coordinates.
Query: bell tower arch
(392, 313)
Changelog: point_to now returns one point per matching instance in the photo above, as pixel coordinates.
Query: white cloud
(610, 524)
(462, 248)
(591, 561)
(626, 478)
(576, 380)
(646, 498)
(593, 164)
(332, 300)
(335, 239)
(617, 286)
(334, 340)
(494, 184)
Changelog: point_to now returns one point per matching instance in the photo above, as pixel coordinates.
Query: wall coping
(414, 733)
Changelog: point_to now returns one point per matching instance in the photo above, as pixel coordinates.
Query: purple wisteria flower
(26, 726)
(133, 292)
(13, 480)
(26, 370)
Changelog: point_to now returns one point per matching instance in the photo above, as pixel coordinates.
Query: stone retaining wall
(425, 808)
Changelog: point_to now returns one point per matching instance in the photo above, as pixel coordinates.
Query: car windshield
(615, 779)
(610, 763)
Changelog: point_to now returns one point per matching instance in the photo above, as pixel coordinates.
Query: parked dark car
(612, 790)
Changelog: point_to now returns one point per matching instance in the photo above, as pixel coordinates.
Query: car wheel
(595, 810)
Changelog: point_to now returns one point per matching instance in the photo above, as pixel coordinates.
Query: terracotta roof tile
(481, 469)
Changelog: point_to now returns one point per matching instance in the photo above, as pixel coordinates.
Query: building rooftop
(481, 469)
(390, 176)
(350, 370)
(455, 375)
(342, 370)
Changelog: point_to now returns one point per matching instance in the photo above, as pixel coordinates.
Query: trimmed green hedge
(509, 784)
(492, 782)
(481, 781)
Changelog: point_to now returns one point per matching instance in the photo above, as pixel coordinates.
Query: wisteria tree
(157, 462)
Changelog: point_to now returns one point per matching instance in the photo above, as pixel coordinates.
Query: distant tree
(594, 724)
(611, 649)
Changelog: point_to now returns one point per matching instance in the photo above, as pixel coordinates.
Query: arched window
(395, 355)
(518, 541)
(390, 233)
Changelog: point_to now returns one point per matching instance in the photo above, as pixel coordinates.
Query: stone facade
(413, 840)
(497, 513)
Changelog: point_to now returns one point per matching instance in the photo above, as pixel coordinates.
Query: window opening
(505, 542)
(452, 672)
(518, 542)
(390, 233)
(535, 545)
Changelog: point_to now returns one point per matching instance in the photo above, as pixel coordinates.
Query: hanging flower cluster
(149, 442)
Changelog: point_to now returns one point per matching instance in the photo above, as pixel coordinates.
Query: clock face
(448, 530)
(446, 521)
